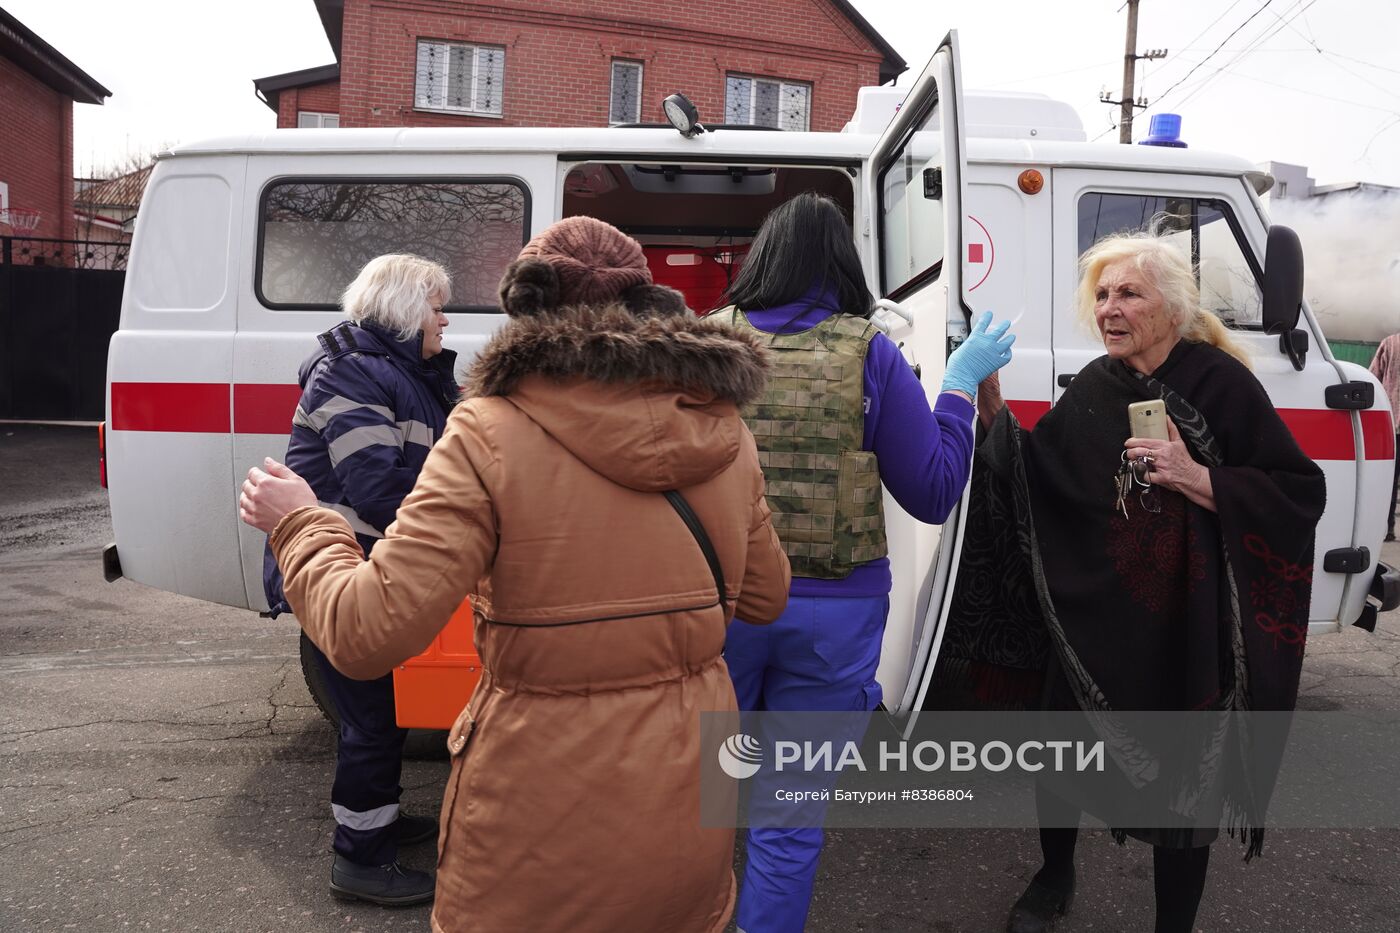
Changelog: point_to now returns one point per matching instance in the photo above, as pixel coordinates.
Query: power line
(1249, 49)
(1367, 64)
(1377, 135)
(1247, 21)
(1298, 90)
(1359, 77)
(1310, 42)
(1213, 22)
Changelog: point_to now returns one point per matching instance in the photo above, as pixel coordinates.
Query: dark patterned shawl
(1182, 609)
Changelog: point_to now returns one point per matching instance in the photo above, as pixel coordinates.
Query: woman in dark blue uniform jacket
(375, 397)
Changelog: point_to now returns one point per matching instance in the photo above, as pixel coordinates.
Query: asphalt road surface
(162, 767)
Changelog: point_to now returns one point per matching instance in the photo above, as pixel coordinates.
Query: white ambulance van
(243, 244)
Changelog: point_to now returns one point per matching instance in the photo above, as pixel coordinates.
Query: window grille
(307, 119)
(783, 105)
(625, 105)
(459, 78)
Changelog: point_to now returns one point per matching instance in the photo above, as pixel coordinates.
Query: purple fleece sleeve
(924, 455)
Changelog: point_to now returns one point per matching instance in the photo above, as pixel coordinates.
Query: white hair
(1167, 270)
(395, 291)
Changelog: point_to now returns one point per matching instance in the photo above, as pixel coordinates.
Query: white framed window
(459, 78)
(783, 105)
(307, 119)
(625, 102)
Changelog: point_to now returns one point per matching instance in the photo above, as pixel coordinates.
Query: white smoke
(1351, 260)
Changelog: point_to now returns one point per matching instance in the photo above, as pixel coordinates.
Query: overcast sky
(1314, 82)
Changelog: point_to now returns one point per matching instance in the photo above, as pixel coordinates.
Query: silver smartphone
(1148, 419)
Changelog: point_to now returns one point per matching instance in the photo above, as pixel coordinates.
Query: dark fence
(63, 254)
(58, 311)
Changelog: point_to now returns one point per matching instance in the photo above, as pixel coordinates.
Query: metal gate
(56, 319)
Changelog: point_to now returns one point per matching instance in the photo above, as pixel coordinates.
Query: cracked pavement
(162, 767)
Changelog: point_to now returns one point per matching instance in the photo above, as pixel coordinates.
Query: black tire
(422, 744)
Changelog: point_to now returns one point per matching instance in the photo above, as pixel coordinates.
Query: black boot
(391, 885)
(1052, 889)
(1178, 880)
(1037, 910)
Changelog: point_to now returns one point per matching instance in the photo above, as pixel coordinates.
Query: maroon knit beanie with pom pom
(595, 261)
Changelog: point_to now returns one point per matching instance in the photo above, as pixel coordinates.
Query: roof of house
(122, 191)
(332, 13)
(1355, 187)
(894, 64)
(22, 46)
(270, 87)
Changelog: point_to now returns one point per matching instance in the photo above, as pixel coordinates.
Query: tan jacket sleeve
(767, 575)
(368, 616)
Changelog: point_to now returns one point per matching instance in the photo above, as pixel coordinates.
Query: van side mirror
(1283, 280)
(1283, 292)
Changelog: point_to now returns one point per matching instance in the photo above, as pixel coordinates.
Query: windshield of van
(1203, 229)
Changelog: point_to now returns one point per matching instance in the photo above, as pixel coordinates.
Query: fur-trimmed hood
(650, 402)
(613, 344)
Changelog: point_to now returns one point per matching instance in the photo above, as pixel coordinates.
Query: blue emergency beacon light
(1164, 130)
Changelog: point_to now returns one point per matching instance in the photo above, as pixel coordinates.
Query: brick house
(38, 87)
(787, 64)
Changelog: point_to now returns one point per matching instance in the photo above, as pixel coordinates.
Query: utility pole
(1130, 60)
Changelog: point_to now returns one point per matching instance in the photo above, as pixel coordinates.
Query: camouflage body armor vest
(809, 423)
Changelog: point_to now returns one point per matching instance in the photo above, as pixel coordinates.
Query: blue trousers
(821, 654)
(365, 795)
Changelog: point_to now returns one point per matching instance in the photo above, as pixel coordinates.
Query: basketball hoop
(21, 219)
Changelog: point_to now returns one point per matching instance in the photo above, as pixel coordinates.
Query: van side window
(190, 244)
(1204, 229)
(314, 236)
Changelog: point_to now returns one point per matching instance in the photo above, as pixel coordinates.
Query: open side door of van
(913, 206)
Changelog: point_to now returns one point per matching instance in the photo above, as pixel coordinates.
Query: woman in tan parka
(573, 799)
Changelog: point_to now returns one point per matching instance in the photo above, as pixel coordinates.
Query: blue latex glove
(986, 350)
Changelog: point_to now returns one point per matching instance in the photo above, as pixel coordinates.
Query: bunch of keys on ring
(1134, 473)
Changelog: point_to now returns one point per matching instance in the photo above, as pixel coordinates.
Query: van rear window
(315, 235)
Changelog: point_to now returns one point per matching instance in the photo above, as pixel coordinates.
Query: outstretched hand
(268, 496)
(986, 349)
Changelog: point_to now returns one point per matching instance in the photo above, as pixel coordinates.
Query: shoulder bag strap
(692, 521)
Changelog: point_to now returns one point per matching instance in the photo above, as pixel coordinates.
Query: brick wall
(559, 54)
(36, 150)
(316, 98)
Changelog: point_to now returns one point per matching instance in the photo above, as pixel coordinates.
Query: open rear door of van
(913, 211)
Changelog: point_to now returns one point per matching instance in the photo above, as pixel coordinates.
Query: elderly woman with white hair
(1145, 574)
(375, 397)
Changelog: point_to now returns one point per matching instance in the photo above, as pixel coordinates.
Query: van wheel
(422, 744)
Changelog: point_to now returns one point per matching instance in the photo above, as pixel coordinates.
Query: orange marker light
(1031, 181)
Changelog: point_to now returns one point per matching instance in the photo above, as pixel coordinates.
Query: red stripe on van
(264, 409)
(1322, 433)
(1378, 434)
(1028, 412)
(171, 406)
(267, 409)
